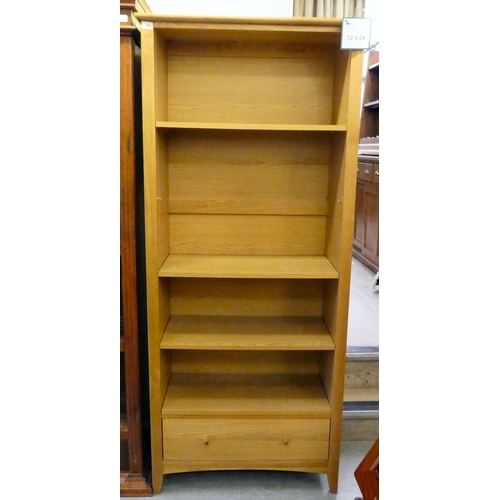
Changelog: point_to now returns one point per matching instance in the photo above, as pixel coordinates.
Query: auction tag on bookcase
(355, 33)
(147, 25)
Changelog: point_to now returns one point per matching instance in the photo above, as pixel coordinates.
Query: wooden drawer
(245, 439)
(365, 171)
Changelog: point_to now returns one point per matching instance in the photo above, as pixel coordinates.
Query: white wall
(252, 8)
(371, 12)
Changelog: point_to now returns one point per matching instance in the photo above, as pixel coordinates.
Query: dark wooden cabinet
(133, 391)
(366, 229)
(370, 105)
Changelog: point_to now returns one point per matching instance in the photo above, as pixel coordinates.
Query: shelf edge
(250, 126)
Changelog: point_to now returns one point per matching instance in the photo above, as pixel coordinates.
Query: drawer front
(365, 171)
(245, 439)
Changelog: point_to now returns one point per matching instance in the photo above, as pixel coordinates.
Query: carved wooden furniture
(133, 459)
(251, 131)
(367, 474)
(366, 232)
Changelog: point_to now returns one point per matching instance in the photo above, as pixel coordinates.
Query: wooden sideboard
(366, 229)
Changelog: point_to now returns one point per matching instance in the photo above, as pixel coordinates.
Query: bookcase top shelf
(286, 29)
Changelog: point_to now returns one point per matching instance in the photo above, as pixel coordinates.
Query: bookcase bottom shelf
(214, 421)
(218, 395)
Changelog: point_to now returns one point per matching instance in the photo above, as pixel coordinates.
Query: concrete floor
(267, 485)
(363, 323)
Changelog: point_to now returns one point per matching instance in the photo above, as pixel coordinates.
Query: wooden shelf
(250, 266)
(250, 395)
(247, 333)
(251, 126)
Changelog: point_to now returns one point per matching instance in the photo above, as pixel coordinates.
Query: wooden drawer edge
(175, 466)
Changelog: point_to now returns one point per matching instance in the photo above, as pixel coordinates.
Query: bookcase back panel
(250, 86)
(193, 361)
(239, 48)
(247, 234)
(246, 297)
(248, 172)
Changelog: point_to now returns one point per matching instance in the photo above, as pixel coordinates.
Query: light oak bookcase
(251, 129)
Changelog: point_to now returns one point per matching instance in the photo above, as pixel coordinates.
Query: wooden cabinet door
(359, 218)
(366, 223)
(371, 226)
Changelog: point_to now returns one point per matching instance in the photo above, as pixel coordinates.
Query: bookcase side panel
(151, 246)
(161, 78)
(340, 96)
(339, 245)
